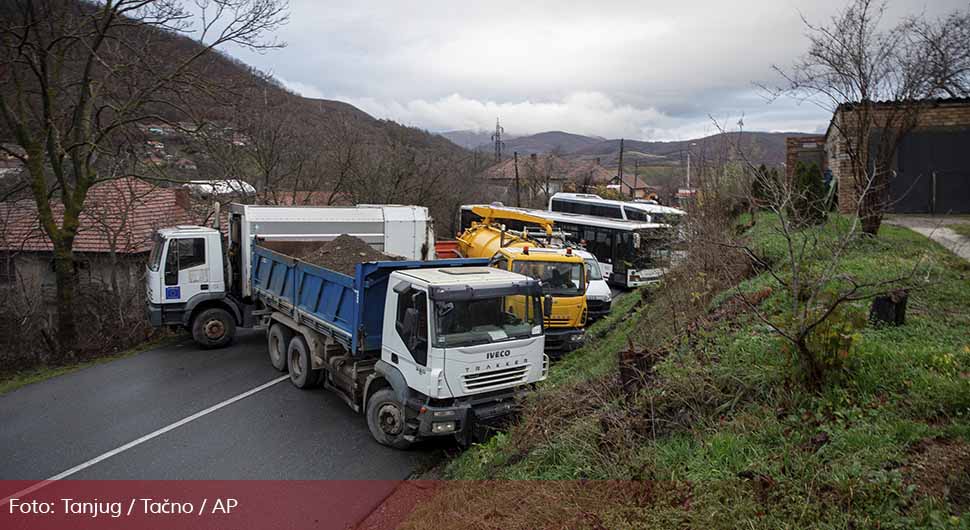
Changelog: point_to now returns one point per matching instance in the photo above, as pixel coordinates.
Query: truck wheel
(386, 420)
(298, 361)
(278, 339)
(213, 328)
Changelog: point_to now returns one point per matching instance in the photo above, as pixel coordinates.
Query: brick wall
(805, 148)
(939, 115)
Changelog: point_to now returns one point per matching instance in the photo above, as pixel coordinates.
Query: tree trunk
(66, 294)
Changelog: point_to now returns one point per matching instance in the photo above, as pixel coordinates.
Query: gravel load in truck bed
(343, 254)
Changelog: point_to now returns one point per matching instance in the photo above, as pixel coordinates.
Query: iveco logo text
(497, 354)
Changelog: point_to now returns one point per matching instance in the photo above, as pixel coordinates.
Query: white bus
(631, 253)
(639, 210)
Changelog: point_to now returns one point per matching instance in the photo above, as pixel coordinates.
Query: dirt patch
(343, 254)
(941, 468)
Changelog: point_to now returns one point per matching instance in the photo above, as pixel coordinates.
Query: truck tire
(278, 340)
(386, 419)
(298, 361)
(213, 328)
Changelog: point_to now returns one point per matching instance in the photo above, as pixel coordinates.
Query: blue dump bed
(351, 310)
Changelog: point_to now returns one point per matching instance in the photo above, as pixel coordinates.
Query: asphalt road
(280, 432)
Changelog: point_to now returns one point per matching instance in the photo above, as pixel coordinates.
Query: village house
(930, 173)
(541, 176)
(114, 239)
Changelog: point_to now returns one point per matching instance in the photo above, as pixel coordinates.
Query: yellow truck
(562, 273)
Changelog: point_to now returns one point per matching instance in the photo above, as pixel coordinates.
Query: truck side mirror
(547, 306)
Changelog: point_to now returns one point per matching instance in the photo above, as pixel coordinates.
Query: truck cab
(185, 278)
(466, 340)
(564, 280)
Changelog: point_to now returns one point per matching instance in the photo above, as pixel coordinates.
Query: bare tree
(75, 78)
(854, 65)
(810, 268)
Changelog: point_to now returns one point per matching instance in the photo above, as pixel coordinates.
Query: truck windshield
(558, 278)
(488, 320)
(155, 258)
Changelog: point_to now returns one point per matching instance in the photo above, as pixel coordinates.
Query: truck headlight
(443, 427)
(577, 337)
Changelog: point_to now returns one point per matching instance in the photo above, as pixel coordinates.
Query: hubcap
(389, 418)
(214, 329)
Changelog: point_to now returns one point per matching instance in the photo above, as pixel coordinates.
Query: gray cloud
(640, 69)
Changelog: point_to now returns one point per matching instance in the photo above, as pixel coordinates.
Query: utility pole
(619, 170)
(497, 138)
(518, 196)
(636, 173)
(688, 162)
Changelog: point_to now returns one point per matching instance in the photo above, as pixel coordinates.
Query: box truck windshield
(487, 320)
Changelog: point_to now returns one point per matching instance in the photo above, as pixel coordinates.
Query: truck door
(407, 344)
(186, 270)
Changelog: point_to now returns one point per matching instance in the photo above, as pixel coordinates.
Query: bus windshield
(487, 320)
(558, 278)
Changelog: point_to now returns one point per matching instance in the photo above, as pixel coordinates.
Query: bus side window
(634, 214)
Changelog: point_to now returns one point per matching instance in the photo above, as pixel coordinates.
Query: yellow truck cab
(563, 277)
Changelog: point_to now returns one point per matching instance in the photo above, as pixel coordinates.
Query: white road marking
(143, 439)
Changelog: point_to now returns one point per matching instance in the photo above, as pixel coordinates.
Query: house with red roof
(115, 235)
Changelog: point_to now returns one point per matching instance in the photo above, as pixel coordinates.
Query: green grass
(12, 381)
(754, 447)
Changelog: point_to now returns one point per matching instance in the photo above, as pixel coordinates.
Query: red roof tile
(121, 214)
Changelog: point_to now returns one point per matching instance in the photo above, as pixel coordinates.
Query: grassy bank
(724, 434)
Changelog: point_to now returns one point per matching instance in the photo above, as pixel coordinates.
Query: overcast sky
(636, 69)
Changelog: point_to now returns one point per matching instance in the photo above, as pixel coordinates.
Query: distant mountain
(761, 147)
(474, 139)
(544, 142)
(548, 142)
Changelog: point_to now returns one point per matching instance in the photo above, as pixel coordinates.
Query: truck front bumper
(564, 340)
(153, 313)
(468, 418)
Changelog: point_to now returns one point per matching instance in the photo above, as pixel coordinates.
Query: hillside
(550, 142)
(671, 418)
(474, 140)
(762, 147)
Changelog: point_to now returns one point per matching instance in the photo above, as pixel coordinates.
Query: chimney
(182, 199)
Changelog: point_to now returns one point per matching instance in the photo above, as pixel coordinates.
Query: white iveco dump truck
(422, 347)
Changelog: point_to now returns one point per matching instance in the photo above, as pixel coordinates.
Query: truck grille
(481, 381)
